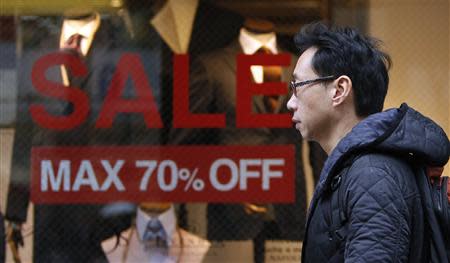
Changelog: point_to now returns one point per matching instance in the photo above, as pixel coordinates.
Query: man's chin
(305, 135)
(301, 131)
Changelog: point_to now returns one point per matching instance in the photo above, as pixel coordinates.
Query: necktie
(155, 234)
(270, 74)
(73, 44)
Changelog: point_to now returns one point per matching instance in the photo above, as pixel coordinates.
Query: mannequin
(254, 34)
(130, 245)
(61, 232)
(214, 77)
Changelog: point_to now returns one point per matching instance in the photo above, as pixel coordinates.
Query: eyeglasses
(294, 85)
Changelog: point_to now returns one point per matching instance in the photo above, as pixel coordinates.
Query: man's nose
(291, 105)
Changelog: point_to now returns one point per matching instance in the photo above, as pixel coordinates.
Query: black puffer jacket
(366, 207)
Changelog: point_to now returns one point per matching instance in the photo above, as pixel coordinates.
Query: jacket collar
(401, 131)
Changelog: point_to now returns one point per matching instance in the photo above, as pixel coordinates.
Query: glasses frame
(294, 85)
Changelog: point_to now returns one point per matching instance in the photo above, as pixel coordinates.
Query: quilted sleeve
(379, 228)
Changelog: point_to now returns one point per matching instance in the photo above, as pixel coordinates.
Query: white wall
(416, 35)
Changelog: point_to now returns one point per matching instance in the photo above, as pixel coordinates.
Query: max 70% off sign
(164, 173)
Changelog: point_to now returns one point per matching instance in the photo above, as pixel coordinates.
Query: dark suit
(212, 90)
(65, 233)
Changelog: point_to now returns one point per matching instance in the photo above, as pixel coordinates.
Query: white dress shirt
(183, 246)
(251, 42)
(167, 220)
(84, 27)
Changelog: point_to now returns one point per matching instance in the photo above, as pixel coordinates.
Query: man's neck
(339, 131)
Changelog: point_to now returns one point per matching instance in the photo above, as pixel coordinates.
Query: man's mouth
(294, 123)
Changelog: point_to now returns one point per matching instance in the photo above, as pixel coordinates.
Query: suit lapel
(257, 100)
(55, 73)
(231, 54)
(100, 62)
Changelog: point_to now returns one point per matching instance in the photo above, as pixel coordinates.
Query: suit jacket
(213, 90)
(66, 233)
(186, 247)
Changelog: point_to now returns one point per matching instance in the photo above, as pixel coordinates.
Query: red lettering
(246, 88)
(71, 94)
(182, 117)
(129, 66)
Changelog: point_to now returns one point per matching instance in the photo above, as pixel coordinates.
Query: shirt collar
(167, 219)
(86, 29)
(251, 42)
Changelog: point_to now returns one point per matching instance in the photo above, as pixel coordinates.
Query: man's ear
(342, 89)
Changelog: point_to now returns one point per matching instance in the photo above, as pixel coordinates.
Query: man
(366, 206)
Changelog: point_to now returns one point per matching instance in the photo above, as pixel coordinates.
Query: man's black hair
(344, 51)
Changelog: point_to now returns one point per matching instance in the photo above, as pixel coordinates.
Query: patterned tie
(73, 44)
(270, 74)
(155, 234)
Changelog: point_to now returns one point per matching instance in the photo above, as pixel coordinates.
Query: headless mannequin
(85, 22)
(254, 34)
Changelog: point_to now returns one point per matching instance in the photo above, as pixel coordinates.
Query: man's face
(310, 106)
